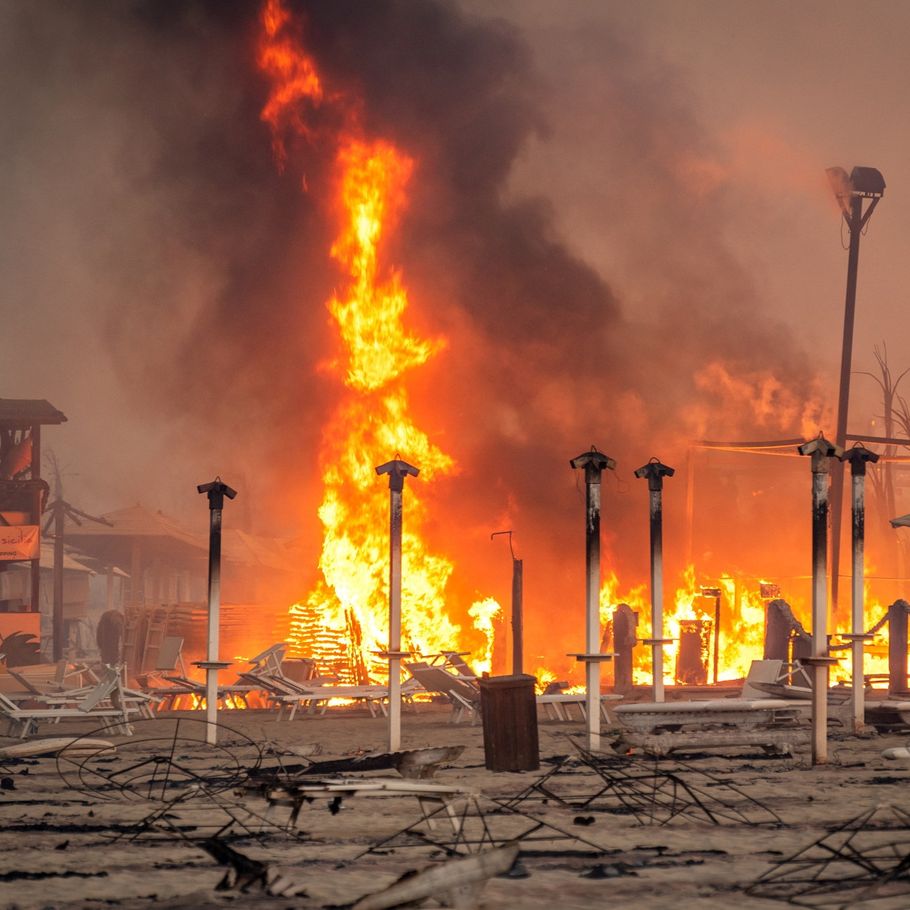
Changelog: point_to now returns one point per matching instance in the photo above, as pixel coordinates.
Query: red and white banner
(19, 542)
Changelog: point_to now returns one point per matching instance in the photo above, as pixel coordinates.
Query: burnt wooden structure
(897, 646)
(165, 563)
(694, 645)
(623, 636)
(509, 711)
(785, 637)
(23, 494)
(516, 614)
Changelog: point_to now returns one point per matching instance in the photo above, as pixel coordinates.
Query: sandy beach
(68, 839)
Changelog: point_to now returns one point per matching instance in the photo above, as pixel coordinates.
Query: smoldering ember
(453, 453)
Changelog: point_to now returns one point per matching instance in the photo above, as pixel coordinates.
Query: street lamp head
(654, 471)
(593, 460)
(397, 471)
(867, 181)
(862, 181)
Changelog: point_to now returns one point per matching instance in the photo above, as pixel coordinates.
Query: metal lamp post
(858, 457)
(655, 472)
(397, 471)
(594, 463)
(821, 452)
(216, 491)
(850, 191)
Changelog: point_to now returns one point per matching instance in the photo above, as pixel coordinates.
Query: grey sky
(781, 90)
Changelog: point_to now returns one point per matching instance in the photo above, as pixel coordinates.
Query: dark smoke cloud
(552, 359)
(137, 153)
(148, 222)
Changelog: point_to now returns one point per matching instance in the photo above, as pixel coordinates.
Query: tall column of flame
(372, 422)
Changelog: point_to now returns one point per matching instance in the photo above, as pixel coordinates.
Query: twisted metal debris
(654, 795)
(863, 860)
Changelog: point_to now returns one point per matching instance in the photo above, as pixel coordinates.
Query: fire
(369, 315)
(292, 73)
(742, 626)
(544, 676)
(485, 614)
(344, 618)
(875, 660)
(636, 598)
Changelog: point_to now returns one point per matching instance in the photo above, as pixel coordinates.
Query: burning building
(23, 496)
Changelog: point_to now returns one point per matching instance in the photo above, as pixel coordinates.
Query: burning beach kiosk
(23, 496)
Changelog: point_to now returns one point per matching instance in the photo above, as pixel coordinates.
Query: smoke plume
(172, 282)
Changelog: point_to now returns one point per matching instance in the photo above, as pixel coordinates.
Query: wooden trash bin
(508, 706)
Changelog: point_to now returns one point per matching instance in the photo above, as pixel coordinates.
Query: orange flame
(292, 73)
(348, 606)
(373, 177)
(343, 618)
(742, 626)
(485, 614)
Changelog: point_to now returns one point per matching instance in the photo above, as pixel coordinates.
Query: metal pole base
(858, 691)
(592, 664)
(819, 667)
(211, 668)
(657, 666)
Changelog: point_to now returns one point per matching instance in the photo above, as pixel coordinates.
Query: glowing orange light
(345, 615)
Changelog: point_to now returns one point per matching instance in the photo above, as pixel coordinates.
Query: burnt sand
(82, 835)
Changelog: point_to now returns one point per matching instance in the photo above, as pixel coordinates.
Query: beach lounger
(430, 795)
(889, 715)
(103, 702)
(453, 661)
(168, 681)
(678, 715)
(290, 696)
(558, 705)
(748, 717)
(317, 698)
(170, 669)
(464, 695)
(142, 703)
(797, 683)
(269, 660)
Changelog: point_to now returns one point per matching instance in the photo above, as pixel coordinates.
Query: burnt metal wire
(168, 761)
(469, 824)
(863, 860)
(198, 814)
(163, 758)
(652, 794)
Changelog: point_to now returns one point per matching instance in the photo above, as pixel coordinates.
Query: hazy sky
(779, 91)
(741, 103)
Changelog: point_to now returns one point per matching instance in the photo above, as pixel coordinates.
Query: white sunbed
(463, 694)
(269, 660)
(557, 706)
(143, 703)
(290, 696)
(171, 668)
(317, 698)
(750, 719)
(103, 702)
(431, 796)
